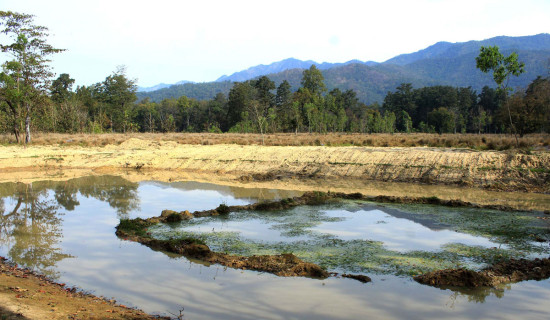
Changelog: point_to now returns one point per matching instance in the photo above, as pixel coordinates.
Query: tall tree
(283, 102)
(490, 59)
(118, 93)
(240, 98)
(313, 80)
(24, 79)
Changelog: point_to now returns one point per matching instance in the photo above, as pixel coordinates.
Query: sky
(200, 40)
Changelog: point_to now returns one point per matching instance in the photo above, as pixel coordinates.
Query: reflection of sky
(138, 276)
(154, 199)
(396, 233)
(252, 229)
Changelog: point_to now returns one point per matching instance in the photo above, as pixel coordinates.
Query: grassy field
(539, 142)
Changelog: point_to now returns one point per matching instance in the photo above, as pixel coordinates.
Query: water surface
(66, 230)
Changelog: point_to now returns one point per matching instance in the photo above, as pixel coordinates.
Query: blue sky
(168, 41)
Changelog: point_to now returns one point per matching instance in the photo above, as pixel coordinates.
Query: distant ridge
(453, 50)
(161, 86)
(443, 63)
(287, 64)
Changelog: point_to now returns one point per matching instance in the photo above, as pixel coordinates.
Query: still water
(66, 230)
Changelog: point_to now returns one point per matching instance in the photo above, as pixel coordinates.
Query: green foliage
(61, 88)
(490, 59)
(442, 120)
(25, 79)
(174, 217)
(313, 80)
(117, 95)
(529, 111)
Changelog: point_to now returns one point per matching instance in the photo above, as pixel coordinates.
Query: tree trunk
(28, 125)
(513, 127)
(16, 132)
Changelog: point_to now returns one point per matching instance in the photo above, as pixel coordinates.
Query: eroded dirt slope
(491, 169)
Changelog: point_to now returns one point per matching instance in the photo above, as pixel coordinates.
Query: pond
(65, 229)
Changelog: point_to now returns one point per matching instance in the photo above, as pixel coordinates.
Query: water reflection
(30, 226)
(43, 223)
(32, 215)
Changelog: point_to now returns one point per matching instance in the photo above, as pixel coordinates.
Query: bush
(223, 209)
(174, 217)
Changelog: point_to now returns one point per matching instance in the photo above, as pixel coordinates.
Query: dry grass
(472, 141)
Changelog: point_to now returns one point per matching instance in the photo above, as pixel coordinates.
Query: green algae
(512, 232)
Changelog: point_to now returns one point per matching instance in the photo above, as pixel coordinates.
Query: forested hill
(443, 63)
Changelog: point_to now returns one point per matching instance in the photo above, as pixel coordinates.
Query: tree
(264, 85)
(402, 99)
(313, 80)
(25, 79)
(61, 88)
(117, 93)
(240, 98)
(490, 59)
(442, 119)
(530, 109)
(283, 102)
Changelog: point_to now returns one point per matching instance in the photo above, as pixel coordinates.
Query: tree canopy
(24, 80)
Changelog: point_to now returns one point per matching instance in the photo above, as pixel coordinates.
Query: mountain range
(443, 63)
(161, 86)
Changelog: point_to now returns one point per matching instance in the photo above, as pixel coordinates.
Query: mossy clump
(187, 241)
(432, 200)
(174, 217)
(134, 226)
(316, 198)
(223, 209)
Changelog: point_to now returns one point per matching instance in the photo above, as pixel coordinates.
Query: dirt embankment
(503, 272)
(488, 169)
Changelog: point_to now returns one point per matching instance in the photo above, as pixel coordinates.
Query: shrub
(223, 209)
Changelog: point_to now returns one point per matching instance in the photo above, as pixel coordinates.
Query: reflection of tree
(477, 295)
(66, 196)
(119, 193)
(33, 228)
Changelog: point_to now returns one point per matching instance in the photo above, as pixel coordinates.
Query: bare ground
(496, 170)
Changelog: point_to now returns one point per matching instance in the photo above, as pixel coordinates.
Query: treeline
(259, 106)
(29, 100)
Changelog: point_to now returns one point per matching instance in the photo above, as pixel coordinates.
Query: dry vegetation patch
(473, 141)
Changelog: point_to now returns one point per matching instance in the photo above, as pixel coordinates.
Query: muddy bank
(516, 200)
(26, 295)
(503, 272)
(495, 170)
(284, 265)
(318, 197)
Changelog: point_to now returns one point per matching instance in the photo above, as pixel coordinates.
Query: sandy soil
(420, 171)
(493, 169)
